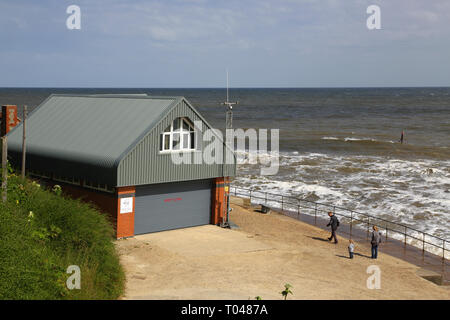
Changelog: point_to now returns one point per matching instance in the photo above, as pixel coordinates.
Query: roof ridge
(117, 95)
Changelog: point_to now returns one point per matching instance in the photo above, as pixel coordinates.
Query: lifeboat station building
(116, 151)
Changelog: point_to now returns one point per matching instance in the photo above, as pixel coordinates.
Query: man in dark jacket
(334, 223)
(375, 241)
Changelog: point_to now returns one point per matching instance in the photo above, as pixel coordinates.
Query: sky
(191, 43)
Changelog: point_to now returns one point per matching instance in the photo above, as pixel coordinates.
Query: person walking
(334, 224)
(376, 240)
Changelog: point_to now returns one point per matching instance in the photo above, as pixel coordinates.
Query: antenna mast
(229, 114)
(228, 125)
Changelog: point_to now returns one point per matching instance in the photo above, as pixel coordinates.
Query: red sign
(9, 118)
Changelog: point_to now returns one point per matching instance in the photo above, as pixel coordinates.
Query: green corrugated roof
(87, 136)
(95, 130)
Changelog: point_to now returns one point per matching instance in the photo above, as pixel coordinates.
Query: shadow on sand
(345, 257)
(355, 254)
(319, 239)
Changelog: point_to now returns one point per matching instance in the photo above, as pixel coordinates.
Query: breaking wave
(353, 139)
(411, 192)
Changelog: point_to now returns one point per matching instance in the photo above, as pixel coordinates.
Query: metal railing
(292, 204)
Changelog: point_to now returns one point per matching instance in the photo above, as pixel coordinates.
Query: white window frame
(181, 132)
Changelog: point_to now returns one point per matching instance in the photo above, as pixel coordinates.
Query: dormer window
(179, 136)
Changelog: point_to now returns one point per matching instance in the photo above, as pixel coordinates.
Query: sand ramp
(205, 240)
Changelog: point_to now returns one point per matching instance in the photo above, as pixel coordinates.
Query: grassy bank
(42, 233)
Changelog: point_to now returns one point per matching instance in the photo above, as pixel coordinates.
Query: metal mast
(229, 114)
(228, 125)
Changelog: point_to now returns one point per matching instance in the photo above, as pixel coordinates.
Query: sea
(336, 145)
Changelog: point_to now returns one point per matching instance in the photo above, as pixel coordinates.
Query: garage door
(172, 206)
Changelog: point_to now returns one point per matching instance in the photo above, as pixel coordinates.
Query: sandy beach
(257, 259)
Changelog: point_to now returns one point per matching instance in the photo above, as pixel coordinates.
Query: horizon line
(244, 87)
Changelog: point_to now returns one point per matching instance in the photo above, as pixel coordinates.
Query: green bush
(42, 233)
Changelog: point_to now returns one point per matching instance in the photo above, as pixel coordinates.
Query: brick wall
(125, 220)
(218, 200)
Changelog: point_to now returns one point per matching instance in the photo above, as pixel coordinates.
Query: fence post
(405, 237)
(4, 166)
(315, 214)
(443, 251)
(282, 203)
(423, 245)
(351, 223)
(266, 199)
(24, 145)
(250, 196)
(368, 227)
(386, 232)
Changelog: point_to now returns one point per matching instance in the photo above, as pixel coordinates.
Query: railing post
(298, 210)
(266, 199)
(282, 203)
(405, 237)
(423, 244)
(368, 227)
(443, 251)
(351, 223)
(386, 232)
(315, 214)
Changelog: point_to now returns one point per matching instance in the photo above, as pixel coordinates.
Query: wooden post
(4, 167)
(24, 147)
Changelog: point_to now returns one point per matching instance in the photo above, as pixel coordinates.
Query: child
(351, 247)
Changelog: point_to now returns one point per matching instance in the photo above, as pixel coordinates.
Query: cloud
(168, 21)
(289, 42)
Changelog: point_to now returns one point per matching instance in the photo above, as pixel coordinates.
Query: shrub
(42, 233)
